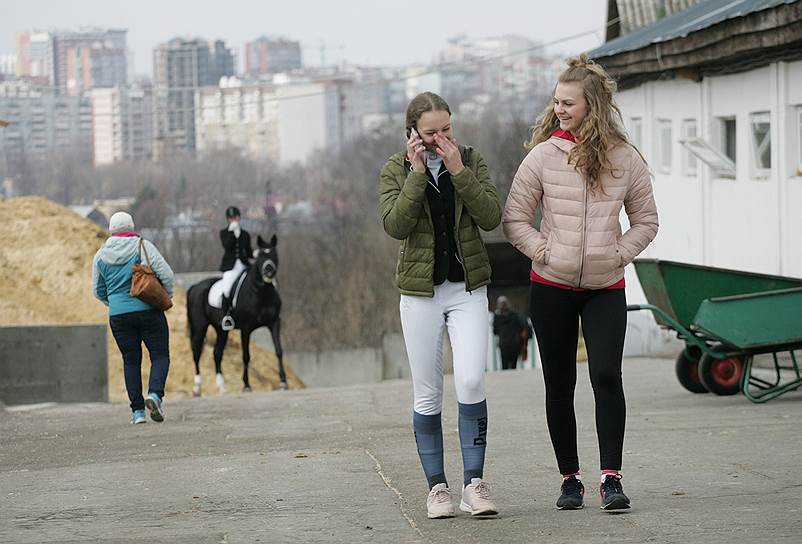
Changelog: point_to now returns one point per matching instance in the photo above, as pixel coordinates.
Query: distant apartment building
(363, 95)
(512, 70)
(8, 66)
(73, 61)
(420, 79)
(243, 116)
(42, 124)
(34, 57)
(122, 124)
(285, 121)
(271, 56)
(88, 59)
(181, 67)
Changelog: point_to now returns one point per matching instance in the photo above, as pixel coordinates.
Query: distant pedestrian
(510, 329)
(434, 197)
(580, 172)
(132, 320)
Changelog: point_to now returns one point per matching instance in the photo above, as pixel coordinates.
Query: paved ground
(339, 465)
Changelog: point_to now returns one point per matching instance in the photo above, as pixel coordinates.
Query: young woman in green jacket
(434, 197)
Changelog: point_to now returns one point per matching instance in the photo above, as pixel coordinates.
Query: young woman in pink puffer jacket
(580, 172)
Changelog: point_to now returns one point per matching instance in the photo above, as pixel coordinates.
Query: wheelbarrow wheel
(687, 369)
(722, 376)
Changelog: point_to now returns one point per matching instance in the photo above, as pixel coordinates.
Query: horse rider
(237, 252)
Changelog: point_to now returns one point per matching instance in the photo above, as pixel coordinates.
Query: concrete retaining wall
(53, 364)
(185, 280)
(351, 366)
(337, 367)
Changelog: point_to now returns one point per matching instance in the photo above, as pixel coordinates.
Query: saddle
(231, 281)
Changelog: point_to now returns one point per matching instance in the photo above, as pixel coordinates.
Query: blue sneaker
(138, 417)
(154, 405)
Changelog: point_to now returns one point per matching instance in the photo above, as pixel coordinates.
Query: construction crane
(324, 48)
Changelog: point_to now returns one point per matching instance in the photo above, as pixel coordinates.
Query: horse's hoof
(247, 389)
(196, 386)
(221, 384)
(283, 386)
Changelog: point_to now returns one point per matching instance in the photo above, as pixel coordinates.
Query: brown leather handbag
(146, 286)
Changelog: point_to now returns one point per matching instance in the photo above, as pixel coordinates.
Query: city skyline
(373, 40)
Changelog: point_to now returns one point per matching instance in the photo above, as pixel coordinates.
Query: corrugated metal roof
(679, 25)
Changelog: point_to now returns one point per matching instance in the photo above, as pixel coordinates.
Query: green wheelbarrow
(726, 318)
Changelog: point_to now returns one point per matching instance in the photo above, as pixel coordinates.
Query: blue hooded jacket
(111, 273)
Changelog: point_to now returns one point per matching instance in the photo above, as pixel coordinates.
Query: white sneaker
(476, 499)
(438, 503)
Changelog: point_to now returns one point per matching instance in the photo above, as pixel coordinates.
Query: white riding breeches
(223, 286)
(423, 321)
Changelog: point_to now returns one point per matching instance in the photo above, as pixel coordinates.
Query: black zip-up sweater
(440, 195)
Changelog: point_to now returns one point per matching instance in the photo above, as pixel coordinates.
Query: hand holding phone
(415, 150)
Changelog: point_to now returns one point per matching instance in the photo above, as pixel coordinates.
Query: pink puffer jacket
(580, 242)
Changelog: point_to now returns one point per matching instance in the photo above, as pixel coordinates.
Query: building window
(635, 131)
(760, 128)
(689, 159)
(727, 137)
(664, 145)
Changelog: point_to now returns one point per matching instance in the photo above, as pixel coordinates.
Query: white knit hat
(121, 222)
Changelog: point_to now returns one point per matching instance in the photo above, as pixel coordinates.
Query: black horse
(258, 304)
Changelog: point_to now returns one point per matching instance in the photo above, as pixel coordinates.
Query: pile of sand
(46, 253)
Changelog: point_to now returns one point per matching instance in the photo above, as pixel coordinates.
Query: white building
(421, 79)
(749, 219)
(284, 121)
(8, 65)
(747, 105)
(237, 115)
(712, 96)
(122, 124)
(309, 119)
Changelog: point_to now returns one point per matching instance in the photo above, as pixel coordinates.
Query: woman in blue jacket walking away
(133, 321)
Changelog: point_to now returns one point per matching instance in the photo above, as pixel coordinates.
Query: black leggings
(555, 316)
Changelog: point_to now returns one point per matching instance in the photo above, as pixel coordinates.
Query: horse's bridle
(265, 278)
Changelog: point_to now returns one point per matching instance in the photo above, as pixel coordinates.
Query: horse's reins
(239, 285)
(272, 281)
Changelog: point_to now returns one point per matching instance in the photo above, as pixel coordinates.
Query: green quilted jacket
(405, 215)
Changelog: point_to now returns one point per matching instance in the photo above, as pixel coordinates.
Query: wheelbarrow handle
(685, 334)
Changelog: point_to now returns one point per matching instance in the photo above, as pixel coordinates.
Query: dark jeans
(555, 315)
(129, 331)
(509, 356)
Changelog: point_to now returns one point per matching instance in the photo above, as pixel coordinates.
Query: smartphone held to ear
(411, 132)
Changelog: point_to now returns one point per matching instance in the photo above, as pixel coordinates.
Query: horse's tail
(192, 325)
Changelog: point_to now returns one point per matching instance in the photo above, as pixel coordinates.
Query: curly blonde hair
(600, 130)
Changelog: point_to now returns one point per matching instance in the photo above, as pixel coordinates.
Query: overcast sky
(359, 31)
